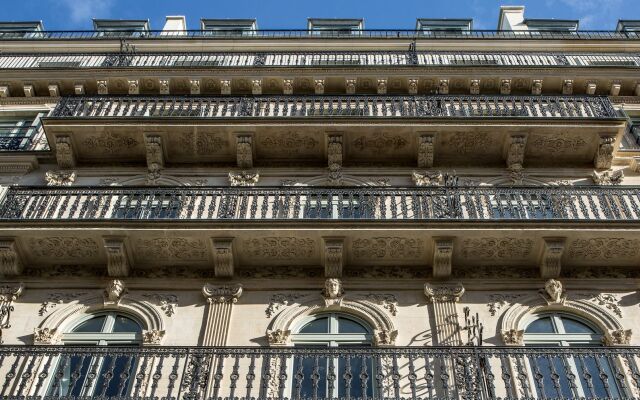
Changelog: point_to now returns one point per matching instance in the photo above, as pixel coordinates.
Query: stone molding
(222, 294)
(443, 293)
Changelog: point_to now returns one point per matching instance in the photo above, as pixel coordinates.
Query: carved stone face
(332, 288)
(115, 290)
(554, 289)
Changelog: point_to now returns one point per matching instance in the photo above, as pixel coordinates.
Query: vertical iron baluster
(298, 375)
(251, 375)
(235, 375)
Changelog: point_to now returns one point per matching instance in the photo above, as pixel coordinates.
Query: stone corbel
(225, 86)
(4, 91)
(29, 90)
(155, 151)
(382, 86)
(118, 256)
(278, 337)
(514, 149)
(222, 294)
(163, 86)
(102, 86)
(474, 87)
(223, 257)
(615, 89)
(443, 86)
(45, 336)
(412, 86)
(635, 164)
(426, 149)
(513, 337)
(10, 257)
(551, 257)
(636, 91)
(567, 87)
(442, 257)
(78, 89)
(54, 90)
(536, 87)
(604, 153)
(619, 337)
(65, 154)
(505, 86)
(591, 88)
(153, 337)
(334, 157)
(194, 86)
(256, 86)
(350, 85)
(333, 257)
(318, 85)
(134, 86)
(244, 150)
(287, 86)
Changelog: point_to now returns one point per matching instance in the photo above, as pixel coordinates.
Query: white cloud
(81, 11)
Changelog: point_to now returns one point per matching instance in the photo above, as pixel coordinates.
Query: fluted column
(443, 300)
(220, 301)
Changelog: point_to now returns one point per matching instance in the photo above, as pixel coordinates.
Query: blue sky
(275, 14)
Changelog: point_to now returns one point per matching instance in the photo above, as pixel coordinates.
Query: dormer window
(27, 29)
(631, 27)
(427, 26)
(335, 27)
(121, 28)
(229, 27)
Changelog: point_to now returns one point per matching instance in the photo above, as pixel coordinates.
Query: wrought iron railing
(293, 203)
(19, 138)
(324, 59)
(336, 106)
(453, 373)
(303, 33)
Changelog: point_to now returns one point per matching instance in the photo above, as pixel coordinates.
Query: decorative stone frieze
(4, 91)
(118, 257)
(387, 248)
(222, 294)
(244, 151)
(278, 337)
(167, 302)
(60, 178)
(56, 298)
(256, 86)
(194, 86)
(287, 86)
(64, 152)
(536, 87)
(615, 89)
(170, 249)
(474, 87)
(443, 293)
(288, 248)
(223, 257)
(387, 301)
(350, 85)
(514, 149)
(10, 259)
(164, 86)
(243, 178)
(412, 86)
(318, 85)
(604, 154)
(443, 86)
(551, 258)
(45, 336)
(63, 248)
(442, 257)
(333, 257)
(505, 86)
(426, 150)
(513, 337)
(115, 291)
(152, 337)
(591, 87)
(333, 292)
(78, 89)
(8, 295)
(102, 87)
(382, 86)
(554, 292)
(490, 248)
(54, 90)
(604, 248)
(618, 337)
(607, 178)
(280, 300)
(567, 87)
(225, 86)
(29, 90)
(134, 86)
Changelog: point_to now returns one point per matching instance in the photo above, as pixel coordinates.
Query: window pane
(349, 326)
(92, 325)
(320, 325)
(542, 325)
(573, 326)
(124, 324)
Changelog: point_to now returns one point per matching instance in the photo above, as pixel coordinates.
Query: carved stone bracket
(134, 86)
(551, 257)
(244, 151)
(350, 85)
(333, 257)
(256, 86)
(443, 293)
(514, 149)
(10, 258)
(29, 90)
(318, 85)
(118, 256)
(225, 86)
(163, 86)
(442, 256)
(278, 337)
(382, 86)
(45, 336)
(591, 88)
(618, 337)
(223, 258)
(8, 295)
(64, 152)
(536, 87)
(155, 152)
(426, 147)
(228, 294)
(474, 87)
(567, 87)
(412, 86)
(287, 86)
(513, 337)
(54, 90)
(608, 178)
(505, 86)
(604, 154)
(443, 86)
(194, 86)
(102, 86)
(334, 158)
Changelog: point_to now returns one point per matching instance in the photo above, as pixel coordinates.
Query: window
(539, 26)
(229, 27)
(444, 26)
(586, 376)
(332, 330)
(121, 28)
(97, 375)
(335, 27)
(15, 30)
(18, 133)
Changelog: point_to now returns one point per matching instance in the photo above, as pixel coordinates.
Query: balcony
(319, 373)
(30, 138)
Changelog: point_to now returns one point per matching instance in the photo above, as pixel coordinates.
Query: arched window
(559, 374)
(317, 376)
(103, 374)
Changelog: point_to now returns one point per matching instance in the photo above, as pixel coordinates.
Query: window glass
(94, 324)
(349, 326)
(541, 325)
(320, 325)
(573, 326)
(125, 324)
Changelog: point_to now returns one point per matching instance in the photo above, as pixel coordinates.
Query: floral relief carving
(166, 302)
(618, 337)
(171, 248)
(606, 300)
(53, 299)
(278, 272)
(387, 247)
(376, 272)
(497, 301)
(45, 336)
(497, 248)
(468, 142)
(291, 141)
(110, 143)
(152, 337)
(281, 248)
(60, 178)
(513, 337)
(557, 144)
(278, 337)
(604, 248)
(380, 142)
(387, 301)
(279, 300)
(204, 143)
(64, 247)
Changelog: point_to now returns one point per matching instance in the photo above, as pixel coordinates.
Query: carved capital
(134, 86)
(474, 87)
(287, 86)
(513, 337)
(514, 149)
(426, 150)
(225, 86)
(412, 86)
(442, 256)
(619, 337)
(567, 87)
(333, 257)
(244, 151)
(78, 89)
(443, 86)
(350, 85)
(256, 86)
(54, 90)
(278, 337)
(194, 86)
(382, 86)
(155, 152)
(604, 154)
(4, 91)
(536, 87)
(102, 86)
(318, 85)
(64, 152)
(114, 291)
(60, 178)
(591, 88)
(28, 90)
(153, 337)
(118, 257)
(10, 259)
(223, 258)
(384, 337)
(444, 293)
(163, 86)
(222, 294)
(551, 258)
(45, 336)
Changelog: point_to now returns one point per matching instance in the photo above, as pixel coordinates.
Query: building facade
(333, 212)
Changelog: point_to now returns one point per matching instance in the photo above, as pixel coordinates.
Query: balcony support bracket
(118, 256)
(551, 257)
(333, 257)
(442, 257)
(10, 258)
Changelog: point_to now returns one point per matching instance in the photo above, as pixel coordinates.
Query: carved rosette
(619, 337)
(45, 336)
(441, 294)
(153, 337)
(278, 337)
(513, 337)
(222, 294)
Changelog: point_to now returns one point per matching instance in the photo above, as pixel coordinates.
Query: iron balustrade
(312, 203)
(191, 373)
(564, 107)
(354, 59)
(303, 33)
(18, 138)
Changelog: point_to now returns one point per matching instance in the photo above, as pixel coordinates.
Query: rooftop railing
(454, 373)
(325, 59)
(303, 33)
(573, 204)
(595, 107)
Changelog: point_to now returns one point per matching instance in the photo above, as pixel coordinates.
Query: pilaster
(220, 301)
(443, 299)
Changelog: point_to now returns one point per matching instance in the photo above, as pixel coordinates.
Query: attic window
(229, 27)
(427, 26)
(121, 28)
(9, 30)
(335, 27)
